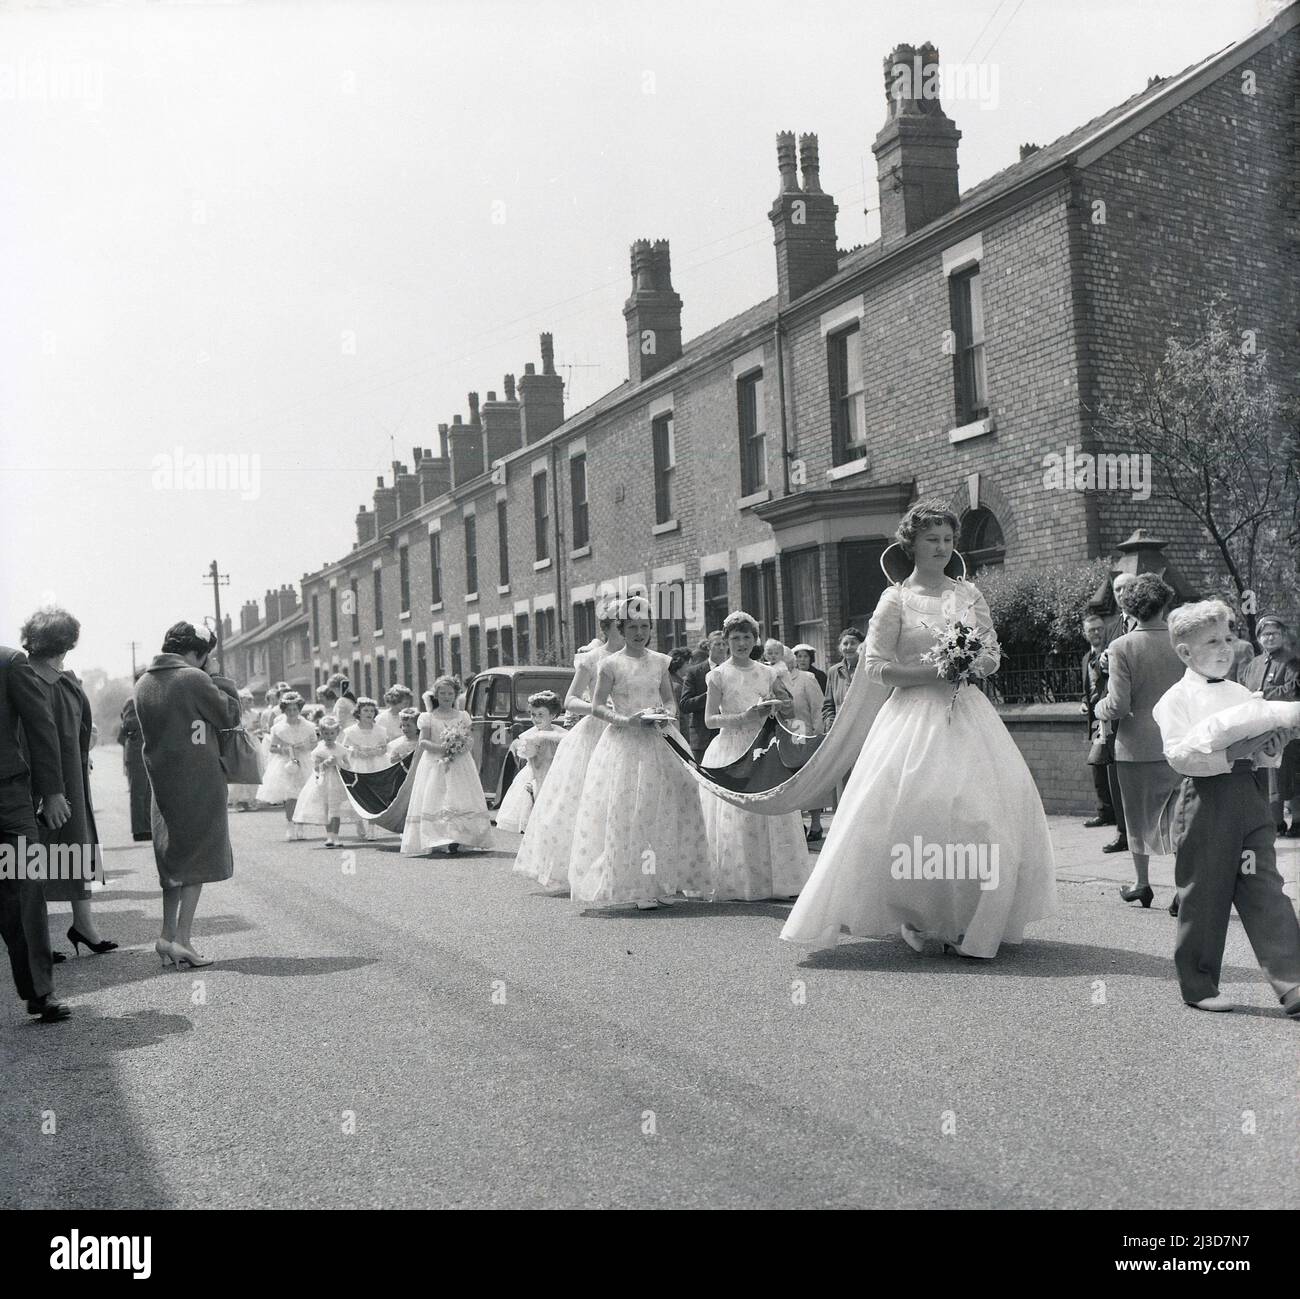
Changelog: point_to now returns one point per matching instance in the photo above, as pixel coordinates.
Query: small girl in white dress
(407, 738)
(447, 809)
(548, 838)
(638, 835)
(535, 748)
(363, 742)
(288, 767)
(323, 800)
(750, 855)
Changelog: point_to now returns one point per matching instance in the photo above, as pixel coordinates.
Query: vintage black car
(497, 700)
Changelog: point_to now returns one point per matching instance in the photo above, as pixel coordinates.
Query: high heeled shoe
(76, 938)
(183, 955)
(164, 951)
(1145, 895)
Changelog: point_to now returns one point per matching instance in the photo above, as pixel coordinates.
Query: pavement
(380, 1031)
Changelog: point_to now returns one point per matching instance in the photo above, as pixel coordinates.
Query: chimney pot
(473, 408)
(548, 354)
(528, 367)
(491, 395)
(509, 385)
(785, 162)
(809, 165)
(1026, 150)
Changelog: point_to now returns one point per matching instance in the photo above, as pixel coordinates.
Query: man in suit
(26, 719)
(695, 692)
(1101, 735)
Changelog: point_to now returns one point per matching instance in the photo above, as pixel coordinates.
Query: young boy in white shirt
(1225, 834)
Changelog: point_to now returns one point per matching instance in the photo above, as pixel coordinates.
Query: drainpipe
(561, 622)
(778, 334)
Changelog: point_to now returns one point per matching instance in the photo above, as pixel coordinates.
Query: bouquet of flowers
(956, 647)
(455, 740)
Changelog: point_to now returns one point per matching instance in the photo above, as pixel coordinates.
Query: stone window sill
(581, 553)
(540, 564)
(471, 597)
(848, 469)
(975, 430)
(754, 498)
(669, 525)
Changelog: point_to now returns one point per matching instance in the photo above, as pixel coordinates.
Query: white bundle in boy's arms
(1245, 721)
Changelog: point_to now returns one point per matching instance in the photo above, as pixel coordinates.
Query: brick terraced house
(765, 463)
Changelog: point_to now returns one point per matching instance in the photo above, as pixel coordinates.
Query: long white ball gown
(548, 836)
(447, 804)
(928, 795)
(639, 832)
(750, 856)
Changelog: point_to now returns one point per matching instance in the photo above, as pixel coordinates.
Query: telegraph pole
(218, 580)
(134, 645)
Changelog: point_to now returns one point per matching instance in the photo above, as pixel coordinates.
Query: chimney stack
(803, 221)
(653, 312)
(541, 396)
(466, 446)
(501, 427)
(385, 506)
(509, 382)
(365, 526)
(271, 603)
(408, 489)
(916, 150)
(435, 476)
(248, 616)
(227, 627)
(288, 600)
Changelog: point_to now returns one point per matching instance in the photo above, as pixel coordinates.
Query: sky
(296, 235)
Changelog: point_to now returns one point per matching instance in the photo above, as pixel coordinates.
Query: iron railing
(1036, 679)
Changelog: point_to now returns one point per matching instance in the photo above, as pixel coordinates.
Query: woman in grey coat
(181, 708)
(1142, 666)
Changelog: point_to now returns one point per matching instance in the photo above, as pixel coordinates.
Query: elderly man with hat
(1276, 674)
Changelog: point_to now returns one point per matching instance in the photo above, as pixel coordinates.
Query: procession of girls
(612, 815)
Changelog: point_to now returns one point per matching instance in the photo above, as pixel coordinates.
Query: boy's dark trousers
(1226, 858)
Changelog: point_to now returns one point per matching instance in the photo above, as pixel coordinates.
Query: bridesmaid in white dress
(364, 743)
(750, 856)
(447, 809)
(638, 836)
(548, 837)
(288, 766)
(941, 833)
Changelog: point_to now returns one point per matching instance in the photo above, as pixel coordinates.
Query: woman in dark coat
(181, 709)
(137, 778)
(47, 636)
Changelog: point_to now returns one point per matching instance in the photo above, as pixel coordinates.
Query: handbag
(238, 756)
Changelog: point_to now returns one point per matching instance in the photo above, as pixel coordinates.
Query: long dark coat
(72, 721)
(181, 709)
(137, 778)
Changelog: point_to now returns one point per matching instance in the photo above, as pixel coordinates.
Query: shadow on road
(1039, 959)
(683, 909)
(290, 967)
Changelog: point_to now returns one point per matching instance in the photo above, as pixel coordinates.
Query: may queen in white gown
(750, 856)
(941, 833)
(639, 832)
(548, 836)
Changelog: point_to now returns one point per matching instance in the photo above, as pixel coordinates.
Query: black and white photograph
(650, 605)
